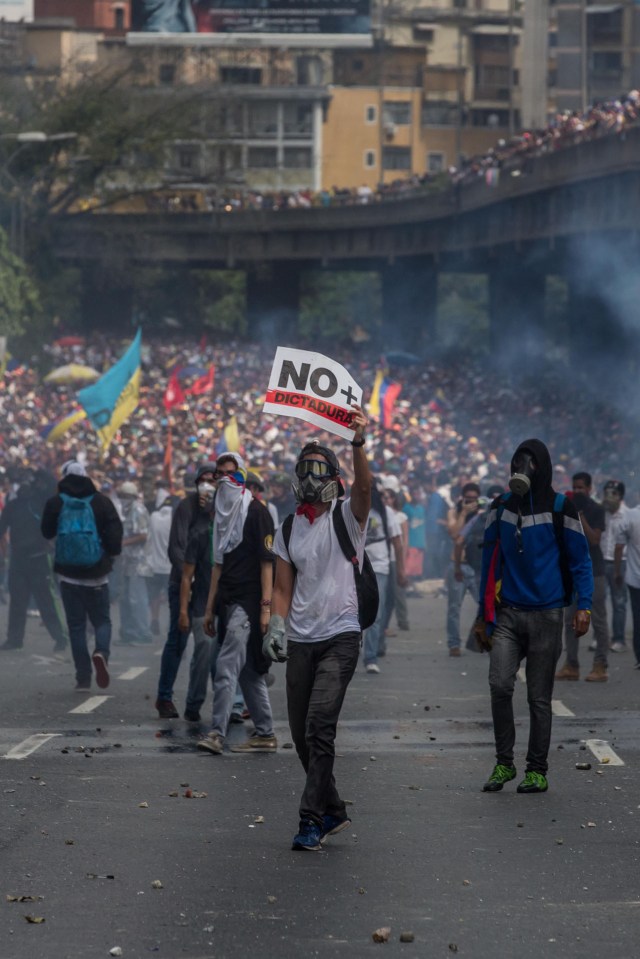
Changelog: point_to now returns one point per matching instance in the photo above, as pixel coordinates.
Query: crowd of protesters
(450, 415)
(511, 157)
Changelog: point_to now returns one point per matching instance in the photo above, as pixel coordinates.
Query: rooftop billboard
(263, 17)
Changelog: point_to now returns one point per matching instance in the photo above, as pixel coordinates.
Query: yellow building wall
(348, 135)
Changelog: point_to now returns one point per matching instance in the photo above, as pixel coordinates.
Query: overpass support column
(273, 302)
(106, 300)
(516, 304)
(409, 304)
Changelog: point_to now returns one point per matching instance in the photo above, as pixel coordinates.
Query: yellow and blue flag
(53, 431)
(113, 398)
(384, 394)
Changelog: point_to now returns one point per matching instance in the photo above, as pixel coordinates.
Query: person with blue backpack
(535, 560)
(88, 534)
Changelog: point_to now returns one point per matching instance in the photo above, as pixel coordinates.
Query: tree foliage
(19, 300)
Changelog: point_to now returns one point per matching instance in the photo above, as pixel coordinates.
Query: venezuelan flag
(383, 399)
(113, 398)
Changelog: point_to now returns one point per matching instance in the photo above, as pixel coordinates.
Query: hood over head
(74, 485)
(206, 467)
(541, 480)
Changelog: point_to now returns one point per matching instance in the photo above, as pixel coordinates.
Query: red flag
(204, 383)
(173, 395)
(167, 472)
(391, 394)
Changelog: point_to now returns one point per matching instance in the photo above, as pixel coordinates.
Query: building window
(187, 159)
(396, 158)
(370, 114)
(309, 71)
(262, 158)
(297, 119)
(118, 18)
(435, 162)
(297, 158)
(397, 112)
(241, 75)
(167, 72)
(369, 159)
(442, 114)
(263, 119)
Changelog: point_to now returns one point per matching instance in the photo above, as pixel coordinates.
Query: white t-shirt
(629, 534)
(378, 551)
(156, 545)
(324, 601)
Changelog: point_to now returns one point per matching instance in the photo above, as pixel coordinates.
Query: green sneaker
(500, 775)
(533, 783)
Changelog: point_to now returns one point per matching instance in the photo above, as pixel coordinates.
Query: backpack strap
(287, 526)
(344, 539)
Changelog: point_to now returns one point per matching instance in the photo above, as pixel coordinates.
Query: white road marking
(29, 745)
(558, 708)
(522, 676)
(90, 704)
(603, 752)
(134, 672)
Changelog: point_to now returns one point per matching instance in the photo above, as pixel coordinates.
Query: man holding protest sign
(315, 591)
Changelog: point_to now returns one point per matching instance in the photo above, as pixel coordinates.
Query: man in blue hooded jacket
(535, 559)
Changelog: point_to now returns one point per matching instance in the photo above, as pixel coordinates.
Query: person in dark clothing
(535, 556)
(194, 590)
(193, 512)
(30, 570)
(85, 588)
(592, 518)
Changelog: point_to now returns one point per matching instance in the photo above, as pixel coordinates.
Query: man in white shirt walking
(615, 513)
(315, 590)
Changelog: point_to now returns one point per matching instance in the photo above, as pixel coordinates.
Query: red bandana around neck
(308, 510)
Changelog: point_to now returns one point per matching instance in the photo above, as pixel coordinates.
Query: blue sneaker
(308, 837)
(332, 825)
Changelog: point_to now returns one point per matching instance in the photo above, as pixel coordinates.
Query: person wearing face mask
(615, 513)
(239, 604)
(135, 617)
(315, 623)
(192, 514)
(535, 557)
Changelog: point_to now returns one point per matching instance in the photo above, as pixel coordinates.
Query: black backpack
(366, 582)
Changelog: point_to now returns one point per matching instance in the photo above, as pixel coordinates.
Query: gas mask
(206, 493)
(524, 468)
(315, 482)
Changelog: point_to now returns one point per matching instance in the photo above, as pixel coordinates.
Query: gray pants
(598, 622)
(232, 668)
(536, 635)
(200, 668)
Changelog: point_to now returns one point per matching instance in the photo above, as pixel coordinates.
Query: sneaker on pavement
(166, 709)
(192, 715)
(308, 836)
(256, 744)
(618, 647)
(83, 685)
(455, 651)
(501, 774)
(9, 645)
(212, 743)
(102, 671)
(568, 672)
(372, 668)
(533, 783)
(332, 825)
(597, 675)
(236, 717)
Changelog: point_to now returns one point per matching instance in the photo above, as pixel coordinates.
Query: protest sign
(312, 387)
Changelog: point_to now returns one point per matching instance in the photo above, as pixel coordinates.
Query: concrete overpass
(542, 211)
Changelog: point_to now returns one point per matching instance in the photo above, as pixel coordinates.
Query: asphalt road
(96, 813)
